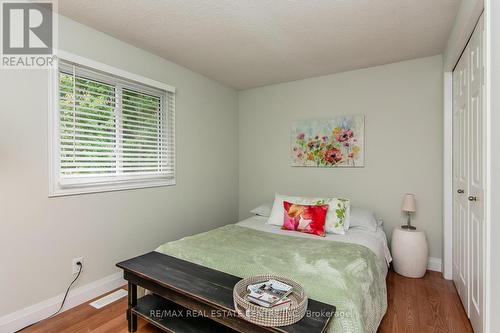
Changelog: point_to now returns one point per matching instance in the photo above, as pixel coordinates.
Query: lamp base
(409, 227)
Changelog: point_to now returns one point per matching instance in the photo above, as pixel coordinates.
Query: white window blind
(112, 129)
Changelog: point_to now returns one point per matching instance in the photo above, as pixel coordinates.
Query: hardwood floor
(430, 304)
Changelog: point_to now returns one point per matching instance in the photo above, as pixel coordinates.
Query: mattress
(375, 241)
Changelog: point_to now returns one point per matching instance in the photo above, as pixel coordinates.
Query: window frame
(104, 184)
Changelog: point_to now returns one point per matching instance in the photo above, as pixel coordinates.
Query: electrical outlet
(75, 268)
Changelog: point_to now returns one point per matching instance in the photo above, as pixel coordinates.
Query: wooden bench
(189, 298)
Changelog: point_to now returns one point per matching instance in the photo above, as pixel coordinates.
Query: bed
(347, 271)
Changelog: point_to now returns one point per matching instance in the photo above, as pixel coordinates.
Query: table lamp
(408, 207)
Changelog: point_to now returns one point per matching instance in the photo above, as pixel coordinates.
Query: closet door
(476, 177)
(468, 178)
(461, 179)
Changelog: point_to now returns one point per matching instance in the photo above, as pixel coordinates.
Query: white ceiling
(250, 43)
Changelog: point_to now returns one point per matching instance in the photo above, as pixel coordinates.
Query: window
(112, 132)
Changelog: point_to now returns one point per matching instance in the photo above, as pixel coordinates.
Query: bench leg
(132, 302)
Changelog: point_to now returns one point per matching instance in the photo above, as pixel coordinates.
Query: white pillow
(262, 210)
(364, 218)
(335, 223)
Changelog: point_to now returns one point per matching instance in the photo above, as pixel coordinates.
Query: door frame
(492, 85)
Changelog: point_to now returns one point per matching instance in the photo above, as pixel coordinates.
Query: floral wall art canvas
(334, 142)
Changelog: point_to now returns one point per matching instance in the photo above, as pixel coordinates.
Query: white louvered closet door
(468, 178)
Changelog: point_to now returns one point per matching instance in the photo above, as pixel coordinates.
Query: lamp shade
(408, 203)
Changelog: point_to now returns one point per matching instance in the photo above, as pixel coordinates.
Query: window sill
(87, 189)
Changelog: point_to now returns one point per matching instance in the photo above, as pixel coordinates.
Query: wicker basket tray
(270, 317)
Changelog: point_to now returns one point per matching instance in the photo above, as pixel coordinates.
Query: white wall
(39, 235)
(403, 104)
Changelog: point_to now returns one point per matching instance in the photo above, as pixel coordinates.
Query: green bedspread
(349, 276)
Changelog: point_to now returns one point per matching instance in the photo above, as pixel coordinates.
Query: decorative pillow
(305, 218)
(339, 214)
(337, 218)
(262, 210)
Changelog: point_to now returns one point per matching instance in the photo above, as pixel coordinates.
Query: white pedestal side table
(409, 252)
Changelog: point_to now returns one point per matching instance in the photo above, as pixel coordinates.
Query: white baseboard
(434, 264)
(31, 314)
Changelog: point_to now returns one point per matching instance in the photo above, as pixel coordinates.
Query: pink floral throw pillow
(305, 218)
